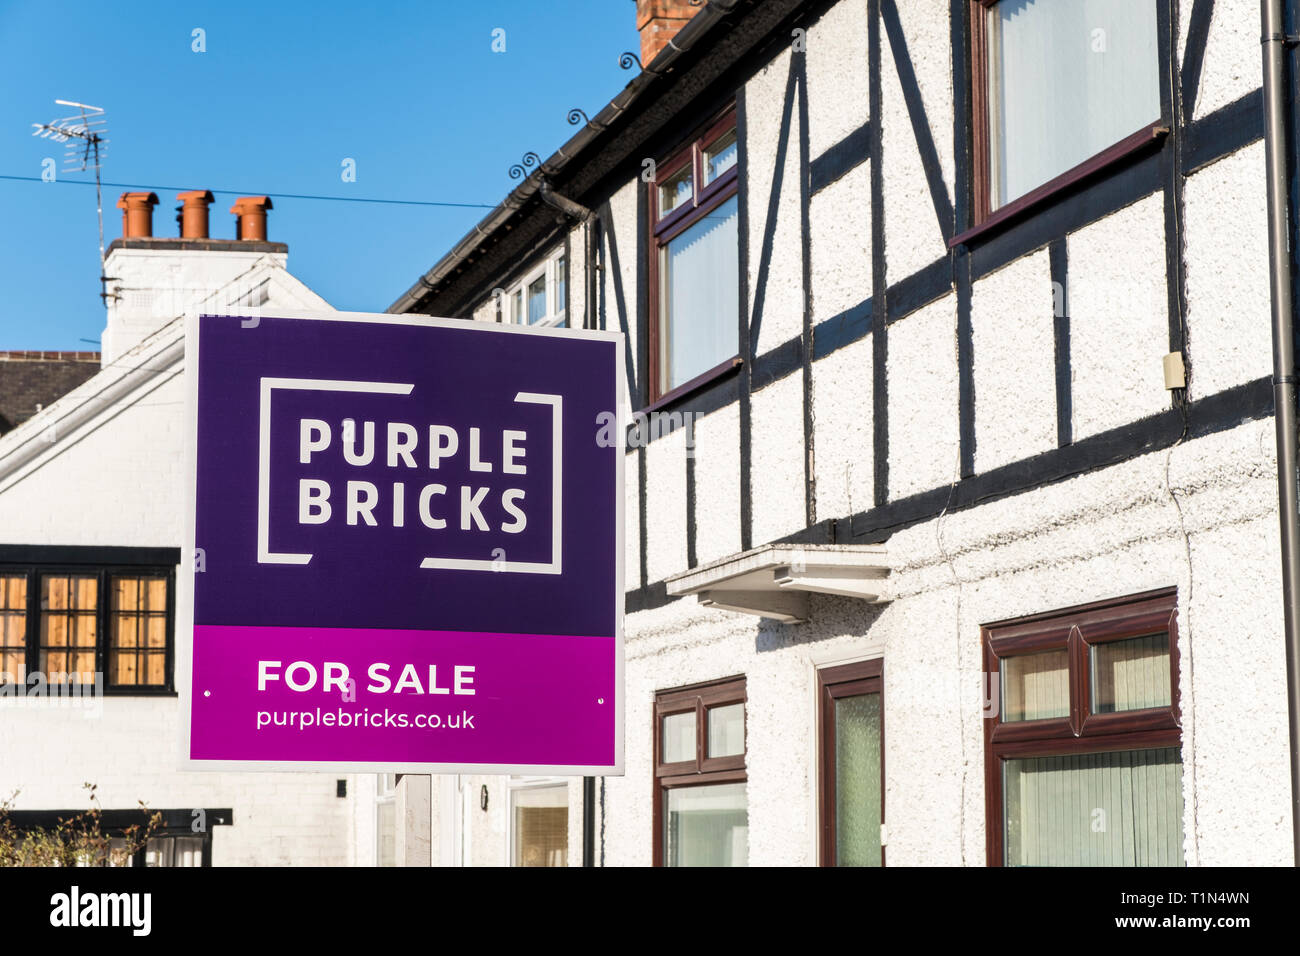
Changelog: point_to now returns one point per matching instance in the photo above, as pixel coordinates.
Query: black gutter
(699, 26)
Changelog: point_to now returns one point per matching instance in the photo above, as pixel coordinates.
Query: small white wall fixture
(774, 580)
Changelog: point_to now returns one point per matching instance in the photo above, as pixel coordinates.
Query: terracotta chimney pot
(251, 224)
(194, 213)
(137, 214)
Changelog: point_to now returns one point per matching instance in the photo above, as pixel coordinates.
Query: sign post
(406, 542)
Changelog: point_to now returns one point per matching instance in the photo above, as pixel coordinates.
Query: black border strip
(1223, 132)
(1207, 416)
(89, 554)
(773, 210)
(1078, 206)
(115, 820)
(1059, 259)
(943, 208)
(926, 285)
(1171, 172)
(1198, 30)
(1216, 413)
(690, 503)
(744, 384)
(805, 269)
(777, 363)
(641, 514)
(879, 288)
(965, 367)
(614, 272)
(831, 335)
(839, 160)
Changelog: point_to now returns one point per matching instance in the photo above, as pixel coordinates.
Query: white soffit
(775, 580)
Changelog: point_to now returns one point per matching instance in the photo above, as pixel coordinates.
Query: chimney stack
(193, 213)
(137, 214)
(658, 22)
(251, 224)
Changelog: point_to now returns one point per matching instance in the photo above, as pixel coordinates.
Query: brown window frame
(833, 683)
(702, 202)
(702, 770)
(983, 217)
(1075, 630)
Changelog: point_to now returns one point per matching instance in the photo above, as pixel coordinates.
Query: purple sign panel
(407, 541)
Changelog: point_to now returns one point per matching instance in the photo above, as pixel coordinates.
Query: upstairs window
(694, 271)
(538, 298)
(1059, 86)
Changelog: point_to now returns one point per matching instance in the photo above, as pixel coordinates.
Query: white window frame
(517, 784)
(553, 268)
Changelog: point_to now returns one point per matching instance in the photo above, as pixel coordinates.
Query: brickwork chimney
(658, 22)
(193, 213)
(137, 214)
(251, 222)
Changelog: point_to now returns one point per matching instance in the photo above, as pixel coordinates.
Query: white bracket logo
(266, 556)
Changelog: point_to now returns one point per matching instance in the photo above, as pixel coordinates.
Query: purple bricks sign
(407, 546)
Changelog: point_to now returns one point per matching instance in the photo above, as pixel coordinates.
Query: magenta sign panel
(407, 546)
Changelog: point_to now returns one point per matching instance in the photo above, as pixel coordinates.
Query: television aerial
(83, 133)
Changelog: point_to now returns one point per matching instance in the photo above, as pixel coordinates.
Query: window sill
(695, 384)
(1032, 201)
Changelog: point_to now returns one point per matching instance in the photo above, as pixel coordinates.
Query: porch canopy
(775, 580)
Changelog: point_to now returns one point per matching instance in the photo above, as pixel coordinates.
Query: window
(137, 634)
(68, 635)
(694, 272)
(538, 298)
(386, 820)
(71, 624)
(1060, 87)
(701, 813)
(539, 822)
(173, 851)
(1083, 736)
(13, 627)
(851, 775)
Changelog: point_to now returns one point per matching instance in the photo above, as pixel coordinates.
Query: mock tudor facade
(965, 399)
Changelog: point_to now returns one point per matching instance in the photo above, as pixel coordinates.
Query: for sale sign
(407, 544)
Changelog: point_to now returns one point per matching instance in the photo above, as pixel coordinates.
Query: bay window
(1082, 736)
(1059, 86)
(694, 271)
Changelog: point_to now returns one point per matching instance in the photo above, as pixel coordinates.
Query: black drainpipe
(1275, 43)
(581, 214)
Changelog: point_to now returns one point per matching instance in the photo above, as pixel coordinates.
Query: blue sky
(283, 94)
